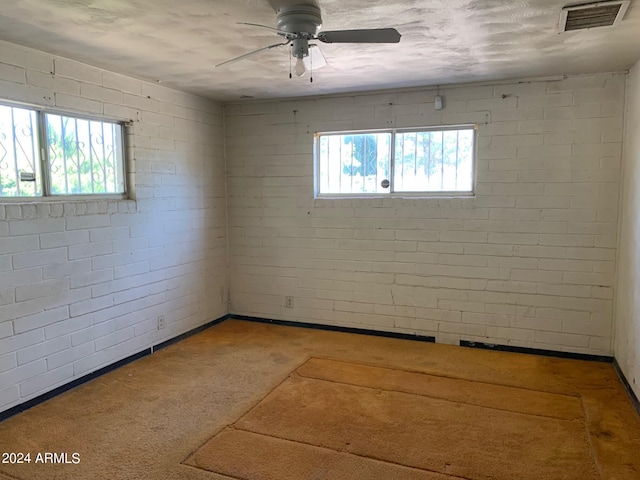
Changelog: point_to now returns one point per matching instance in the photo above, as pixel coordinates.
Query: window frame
(392, 193)
(43, 155)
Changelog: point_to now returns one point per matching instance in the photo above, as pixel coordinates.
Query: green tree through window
(429, 160)
(83, 156)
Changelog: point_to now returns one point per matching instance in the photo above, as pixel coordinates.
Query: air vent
(592, 15)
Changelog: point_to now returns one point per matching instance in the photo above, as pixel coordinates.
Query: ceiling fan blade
(281, 32)
(373, 35)
(242, 57)
(316, 59)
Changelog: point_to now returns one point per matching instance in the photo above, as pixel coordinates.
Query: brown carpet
(330, 415)
(212, 397)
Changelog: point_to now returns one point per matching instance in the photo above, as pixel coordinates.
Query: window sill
(62, 199)
(56, 207)
(398, 196)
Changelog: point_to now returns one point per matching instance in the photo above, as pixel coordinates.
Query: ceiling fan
(299, 24)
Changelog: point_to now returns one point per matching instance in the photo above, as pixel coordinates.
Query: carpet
(338, 420)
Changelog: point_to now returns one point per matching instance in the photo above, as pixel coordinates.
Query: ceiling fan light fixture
(300, 47)
(299, 69)
(300, 50)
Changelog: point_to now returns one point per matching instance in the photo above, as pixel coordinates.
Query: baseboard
(537, 351)
(72, 384)
(188, 334)
(109, 368)
(334, 328)
(570, 355)
(627, 386)
(361, 331)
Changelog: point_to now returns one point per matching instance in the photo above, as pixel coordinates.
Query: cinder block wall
(83, 282)
(529, 261)
(627, 311)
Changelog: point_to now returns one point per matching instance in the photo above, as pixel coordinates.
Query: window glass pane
(19, 153)
(434, 161)
(353, 163)
(85, 156)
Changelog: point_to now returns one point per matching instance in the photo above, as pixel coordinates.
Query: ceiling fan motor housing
(299, 20)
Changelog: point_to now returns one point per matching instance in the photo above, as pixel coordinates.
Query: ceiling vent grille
(600, 14)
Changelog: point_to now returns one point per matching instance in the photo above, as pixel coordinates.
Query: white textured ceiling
(443, 41)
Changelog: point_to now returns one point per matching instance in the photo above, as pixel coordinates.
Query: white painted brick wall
(529, 261)
(82, 282)
(627, 299)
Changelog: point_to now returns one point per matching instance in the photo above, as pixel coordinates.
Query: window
(435, 161)
(47, 154)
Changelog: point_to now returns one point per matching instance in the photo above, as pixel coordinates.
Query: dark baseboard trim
(627, 386)
(72, 384)
(334, 328)
(188, 334)
(109, 368)
(537, 351)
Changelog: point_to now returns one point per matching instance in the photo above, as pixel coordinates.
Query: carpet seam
(346, 452)
(8, 476)
(246, 412)
(193, 452)
(211, 471)
(566, 394)
(590, 440)
(252, 407)
(437, 398)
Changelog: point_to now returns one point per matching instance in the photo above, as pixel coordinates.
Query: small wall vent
(592, 15)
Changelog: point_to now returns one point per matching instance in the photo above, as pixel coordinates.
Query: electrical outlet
(289, 302)
(160, 322)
